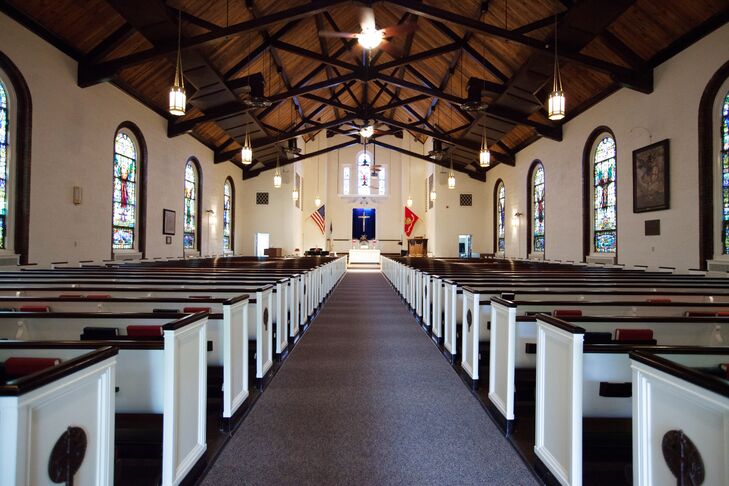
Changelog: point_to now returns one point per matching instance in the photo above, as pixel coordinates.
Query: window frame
(198, 204)
(588, 206)
(499, 184)
(20, 118)
(135, 228)
(536, 164)
(231, 238)
(719, 251)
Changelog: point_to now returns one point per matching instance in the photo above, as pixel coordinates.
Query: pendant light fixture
(556, 101)
(178, 98)
(409, 201)
(317, 199)
(277, 174)
(484, 156)
(246, 152)
(277, 177)
(451, 175)
(295, 190)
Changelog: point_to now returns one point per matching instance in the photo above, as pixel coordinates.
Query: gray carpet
(365, 398)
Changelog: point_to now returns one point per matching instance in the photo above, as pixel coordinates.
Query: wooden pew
(162, 385)
(75, 398)
(583, 392)
(513, 329)
(680, 398)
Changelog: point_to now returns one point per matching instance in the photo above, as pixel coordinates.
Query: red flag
(410, 219)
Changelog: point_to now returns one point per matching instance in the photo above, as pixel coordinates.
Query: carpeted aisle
(365, 398)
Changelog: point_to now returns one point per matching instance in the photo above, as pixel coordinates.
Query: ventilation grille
(262, 198)
(466, 199)
(717, 266)
(599, 259)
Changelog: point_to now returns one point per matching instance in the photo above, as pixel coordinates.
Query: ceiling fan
(371, 37)
(365, 130)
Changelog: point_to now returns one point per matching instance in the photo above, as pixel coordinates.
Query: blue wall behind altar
(369, 217)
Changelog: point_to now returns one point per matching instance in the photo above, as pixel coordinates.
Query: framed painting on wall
(168, 222)
(651, 177)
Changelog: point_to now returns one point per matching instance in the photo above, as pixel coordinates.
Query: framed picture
(650, 177)
(168, 222)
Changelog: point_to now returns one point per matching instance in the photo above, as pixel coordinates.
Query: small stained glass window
(500, 217)
(364, 174)
(538, 209)
(191, 181)
(346, 173)
(124, 198)
(381, 180)
(4, 135)
(227, 216)
(604, 197)
(725, 174)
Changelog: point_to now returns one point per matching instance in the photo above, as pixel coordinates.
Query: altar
(364, 255)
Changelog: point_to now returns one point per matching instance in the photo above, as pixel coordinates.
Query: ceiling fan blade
(329, 33)
(391, 49)
(367, 18)
(400, 29)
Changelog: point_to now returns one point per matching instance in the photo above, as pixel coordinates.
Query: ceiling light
(277, 179)
(178, 98)
(451, 181)
(246, 152)
(410, 201)
(370, 38)
(556, 101)
(317, 201)
(295, 194)
(367, 131)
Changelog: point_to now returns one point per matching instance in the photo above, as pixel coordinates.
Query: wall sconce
(516, 218)
(77, 195)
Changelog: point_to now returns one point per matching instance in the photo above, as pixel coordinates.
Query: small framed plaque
(168, 222)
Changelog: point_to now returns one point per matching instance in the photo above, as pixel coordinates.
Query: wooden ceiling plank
(94, 73)
(629, 78)
(106, 46)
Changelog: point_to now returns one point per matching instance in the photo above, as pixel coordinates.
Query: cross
(363, 218)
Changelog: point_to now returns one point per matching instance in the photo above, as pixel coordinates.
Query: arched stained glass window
(124, 218)
(538, 209)
(725, 173)
(4, 135)
(605, 211)
(500, 217)
(191, 195)
(346, 171)
(228, 202)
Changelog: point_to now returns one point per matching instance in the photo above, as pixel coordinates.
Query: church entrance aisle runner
(365, 398)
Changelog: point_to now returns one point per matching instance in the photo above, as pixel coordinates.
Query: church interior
(364, 242)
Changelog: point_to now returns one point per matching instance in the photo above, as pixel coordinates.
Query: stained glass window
(538, 209)
(382, 180)
(345, 180)
(725, 173)
(500, 216)
(227, 216)
(364, 174)
(4, 134)
(189, 238)
(124, 198)
(604, 197)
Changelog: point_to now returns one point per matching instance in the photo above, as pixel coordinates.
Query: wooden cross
(363, 218)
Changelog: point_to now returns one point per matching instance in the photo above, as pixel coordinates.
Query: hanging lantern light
(246, 152)
(451, 181)
(295, 194)
(433, 195)
(277, 179)
(484, 156)
(410, 201)
(556, 101)
(178, 98)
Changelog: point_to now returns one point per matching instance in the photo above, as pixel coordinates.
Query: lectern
(418, 247)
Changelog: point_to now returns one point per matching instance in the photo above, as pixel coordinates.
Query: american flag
(319, 216)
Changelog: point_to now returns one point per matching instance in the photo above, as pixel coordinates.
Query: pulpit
(418, 247)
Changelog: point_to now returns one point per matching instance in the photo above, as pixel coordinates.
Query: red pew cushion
(567, 313)
(144, 331)
(633, 334)
(192, 310)
(17, 367)
(35, 308)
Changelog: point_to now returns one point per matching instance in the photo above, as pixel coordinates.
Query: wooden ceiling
(496, 53)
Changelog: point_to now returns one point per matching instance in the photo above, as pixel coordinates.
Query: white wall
(72, 145)
(671, 112)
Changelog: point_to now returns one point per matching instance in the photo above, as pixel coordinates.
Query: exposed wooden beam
(479, 175)
(282, 137)
(105, 47)
(300, 51)
(268, 165)
(629, 78)
(427, 54)
(400, 102)
(94, 73)
(538, 24)
(259, 50)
